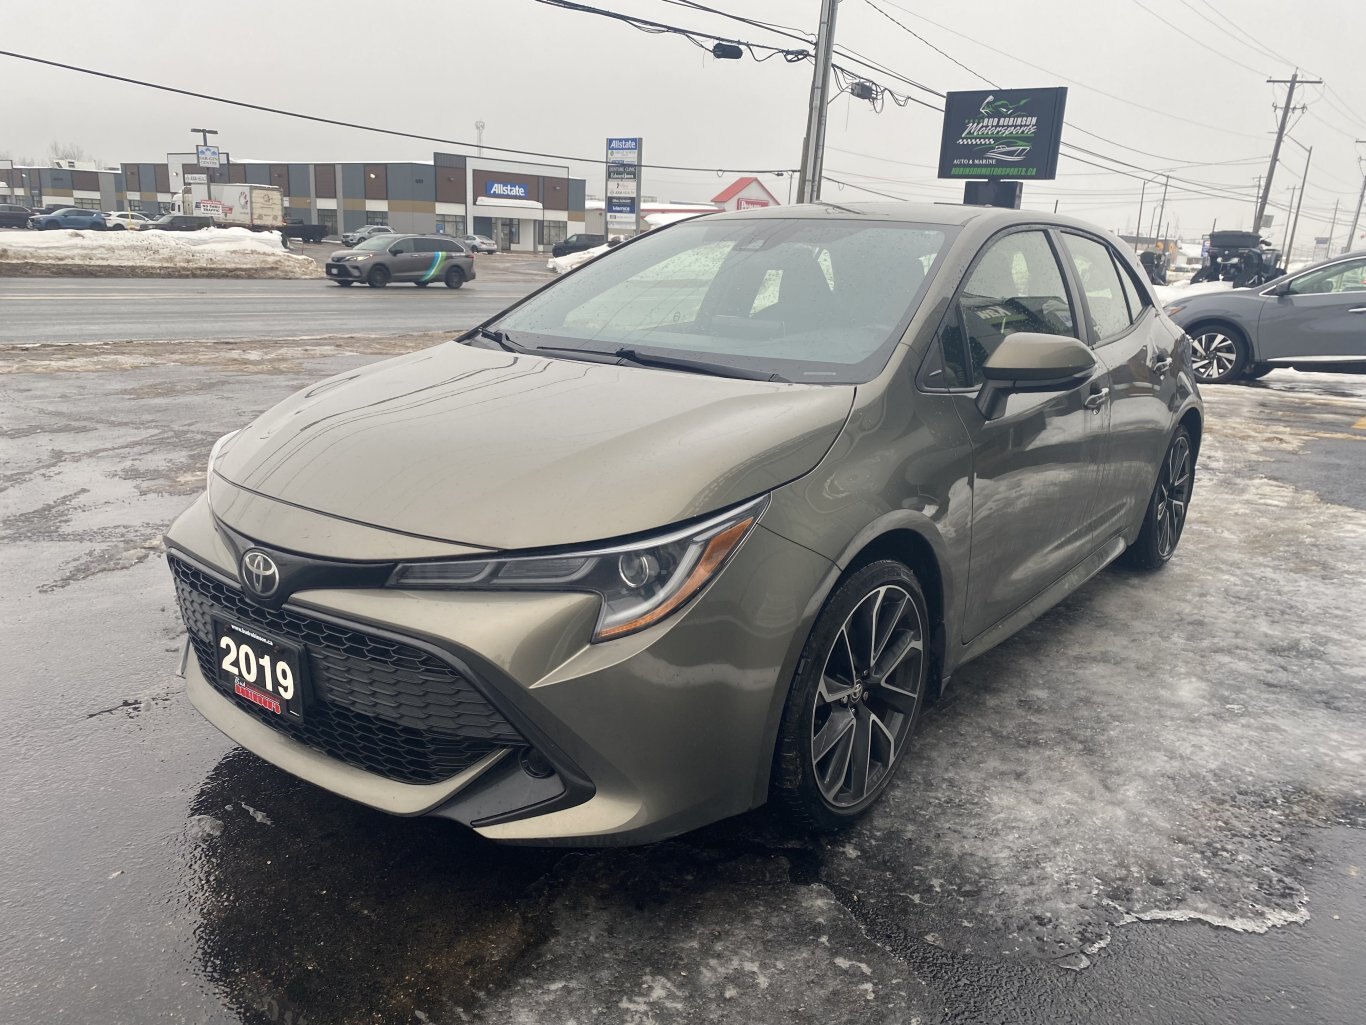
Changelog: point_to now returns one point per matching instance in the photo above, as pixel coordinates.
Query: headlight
(640, 584)
(357, 256)
(213, 455)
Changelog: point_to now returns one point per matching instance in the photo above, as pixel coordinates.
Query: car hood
(501, 450)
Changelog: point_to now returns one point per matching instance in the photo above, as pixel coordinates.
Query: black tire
(378, 277)
(455, 277)
(1219, 352)
(421, 284)
(833, 704)
(345, 284)
(1164, 517)
(1257, 371)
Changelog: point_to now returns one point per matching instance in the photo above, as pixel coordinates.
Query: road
(66, 310)
(1148, 807)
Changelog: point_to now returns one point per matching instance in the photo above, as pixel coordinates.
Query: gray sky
(559, 82)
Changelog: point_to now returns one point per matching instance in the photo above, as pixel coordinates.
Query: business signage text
(1002, 133)
(622, 214)
(506, 190)
(207, 156)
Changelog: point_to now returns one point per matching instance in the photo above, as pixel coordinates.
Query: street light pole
(813, 146)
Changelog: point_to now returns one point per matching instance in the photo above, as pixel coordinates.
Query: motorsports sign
(1002, 133)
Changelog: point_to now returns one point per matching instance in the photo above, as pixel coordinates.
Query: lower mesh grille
(382, 706)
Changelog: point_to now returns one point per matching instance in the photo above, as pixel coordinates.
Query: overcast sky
(558, 82)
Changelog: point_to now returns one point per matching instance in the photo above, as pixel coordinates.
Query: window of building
(553, 231)
(450, 224)
(87, 204)
(1100, 282)
(377, 217)
(328, 219)
(1017, 285)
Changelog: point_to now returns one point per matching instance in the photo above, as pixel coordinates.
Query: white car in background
(479, 243)
(126, 219)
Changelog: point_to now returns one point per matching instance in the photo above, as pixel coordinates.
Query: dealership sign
(1002, 133)
(506, 190)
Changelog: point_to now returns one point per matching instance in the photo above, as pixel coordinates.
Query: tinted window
(446, 246)
(425, 245)
(1100, 282)
(1340, 277)
(406, 245)
(1017, 285)
(809, 300)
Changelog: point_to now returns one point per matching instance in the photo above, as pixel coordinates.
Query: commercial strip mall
(524, 207)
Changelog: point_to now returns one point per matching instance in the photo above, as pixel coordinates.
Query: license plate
(259, 669)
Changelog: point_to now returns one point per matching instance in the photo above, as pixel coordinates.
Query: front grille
(382, 706)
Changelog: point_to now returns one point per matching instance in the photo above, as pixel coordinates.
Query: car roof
(956, 214)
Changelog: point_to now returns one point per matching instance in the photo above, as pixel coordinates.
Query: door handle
(1161, 365)
(1097, 399)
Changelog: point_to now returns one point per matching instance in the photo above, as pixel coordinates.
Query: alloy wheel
(1173, 496)
(866, 701)
(1213, 355)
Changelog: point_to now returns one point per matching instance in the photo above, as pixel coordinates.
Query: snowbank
(208, 253)
(1184, 290)
(565, 264)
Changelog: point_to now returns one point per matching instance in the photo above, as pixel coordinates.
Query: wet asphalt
(1148, 807)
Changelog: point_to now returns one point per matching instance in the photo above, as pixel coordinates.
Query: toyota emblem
(260, 573)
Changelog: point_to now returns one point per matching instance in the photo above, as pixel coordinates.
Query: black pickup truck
(296, 228)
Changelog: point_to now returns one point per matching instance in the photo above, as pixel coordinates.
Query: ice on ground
(236, 251)
(1155, 749)
(201, 827)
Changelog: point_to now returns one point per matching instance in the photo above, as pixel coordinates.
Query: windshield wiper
(683, 363)
(500, 339)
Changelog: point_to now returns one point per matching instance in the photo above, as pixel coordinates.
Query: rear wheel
(378, 277)
(1165, 516)
(855, 699)
(1219, 353)
(455, 277)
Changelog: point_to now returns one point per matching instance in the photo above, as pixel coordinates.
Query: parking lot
(1146, 807)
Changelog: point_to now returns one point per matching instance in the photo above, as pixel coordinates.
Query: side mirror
(1030, 362)
(1282, 289)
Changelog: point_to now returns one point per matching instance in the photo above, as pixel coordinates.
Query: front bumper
(649, 736)
(346, 270)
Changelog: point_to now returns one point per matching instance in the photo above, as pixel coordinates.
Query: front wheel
(1165, 516)
(855, 699)
(1219, 353)
(378, 277)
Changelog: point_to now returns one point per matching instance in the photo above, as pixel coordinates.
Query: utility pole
(1138, 224)
(1163, 208)
(1285, 235)
(1293, 81)
(1356, 217)
(1295, 224)
(1333, 226)
(813, 147)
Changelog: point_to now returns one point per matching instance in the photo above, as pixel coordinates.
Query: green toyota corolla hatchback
(699, 524)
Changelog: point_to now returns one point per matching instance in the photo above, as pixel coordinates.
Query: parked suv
(351, 238)
(420, 259)
(68, 217)
(12, 216)
(577, 244)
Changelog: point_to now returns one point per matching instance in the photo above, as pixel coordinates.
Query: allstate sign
(506, 190)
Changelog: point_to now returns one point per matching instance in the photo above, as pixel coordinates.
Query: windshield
(813, 301)
(382, 241)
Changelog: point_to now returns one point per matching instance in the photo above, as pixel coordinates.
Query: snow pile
(210, 252)
(565, 264)
(1184, 290)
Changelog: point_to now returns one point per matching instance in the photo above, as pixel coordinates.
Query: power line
(1184, 32)
(910, 31)
(363, 127)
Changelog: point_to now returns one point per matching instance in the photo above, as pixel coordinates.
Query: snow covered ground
(1184, 290)
(565, 264)
(211, 252)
